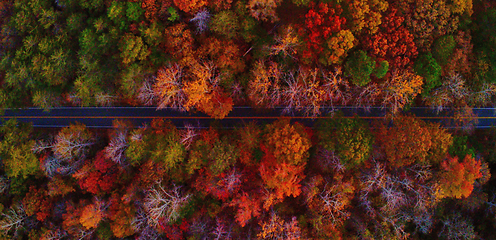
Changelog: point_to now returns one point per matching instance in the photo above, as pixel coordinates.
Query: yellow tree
(399, 89)
(287, 42)
(190, 5)
(92, 215)
(337, 47)
(277, 228)
(406, 142)
(366, 15)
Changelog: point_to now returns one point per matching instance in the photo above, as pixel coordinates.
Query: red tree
(393, 41)
(321, 22)
(98, 176)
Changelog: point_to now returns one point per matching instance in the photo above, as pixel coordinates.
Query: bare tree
(292, 93)
(13, 220)
(162, 204)
(4, 184)
(456, 227)
(201, 20)
(104, 99)
(54, 234)
(116, 150)
(73, 142)
(188, 135)
(336, 89)
(53, 166)
(329, 160)
(334, 205)
(483, 96)
(169, 88)
(222, 231)
(146, 94)
(367, 96)
(452, 90)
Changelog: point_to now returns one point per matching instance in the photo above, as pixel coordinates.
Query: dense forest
(209, 55)
(345, 178)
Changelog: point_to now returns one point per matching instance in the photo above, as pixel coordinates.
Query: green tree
(349, 138)
(359, 66)
(225, 23)
(381, 69)
(427, 67)
(15, 149)
(443, 48)
(132, 49)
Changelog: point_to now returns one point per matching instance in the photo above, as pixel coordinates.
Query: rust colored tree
(393, 41)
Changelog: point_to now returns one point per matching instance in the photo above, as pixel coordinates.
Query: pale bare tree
(168, 88)
(457, 227)
(483, 96)
(231, 181)
(334, 205)
(116, 150)
(222, 231)
(163, 204)
(451, 91)
(367, 97)
(54, 234)
(73, 142)
(4, 184)
(201, 20)
(329, 160)
(13, 220)
(292, 93)
(105, 99)
(146, 94)
(188, 135)
(336, 88)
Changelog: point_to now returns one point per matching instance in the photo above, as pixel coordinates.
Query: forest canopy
(212, 55)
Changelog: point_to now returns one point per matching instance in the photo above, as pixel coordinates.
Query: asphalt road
(102, 117)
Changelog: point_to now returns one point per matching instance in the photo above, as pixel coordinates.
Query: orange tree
(457, 178)
(285, 155)
(410, 141)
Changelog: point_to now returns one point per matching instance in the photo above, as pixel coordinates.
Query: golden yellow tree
(401, 88)
(366, 15)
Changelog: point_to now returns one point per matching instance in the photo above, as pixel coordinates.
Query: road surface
(102, 117)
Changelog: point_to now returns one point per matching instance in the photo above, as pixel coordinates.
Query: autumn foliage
(393, 41)
(458, 177)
